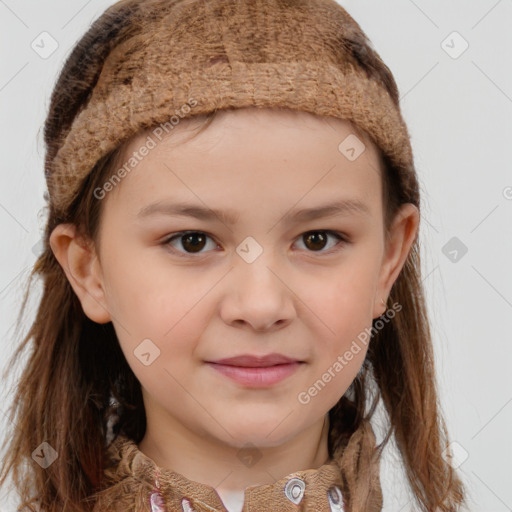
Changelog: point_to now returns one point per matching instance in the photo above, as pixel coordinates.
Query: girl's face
(274, 262)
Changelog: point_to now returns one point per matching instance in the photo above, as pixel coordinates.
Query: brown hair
(75, 366)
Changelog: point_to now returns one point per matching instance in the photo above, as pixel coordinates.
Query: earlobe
(403, 233)
(82, 268)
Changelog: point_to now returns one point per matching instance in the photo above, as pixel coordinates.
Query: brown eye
(317, 240)
(193, 242)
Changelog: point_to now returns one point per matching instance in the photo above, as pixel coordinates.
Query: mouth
(256, 361)
(256, 372)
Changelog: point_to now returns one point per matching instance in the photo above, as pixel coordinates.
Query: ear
(403, 233)
(81, 265)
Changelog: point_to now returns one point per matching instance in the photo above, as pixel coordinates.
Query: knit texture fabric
(130, 477)
(219, 54)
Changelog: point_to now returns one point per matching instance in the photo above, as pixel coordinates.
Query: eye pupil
(192, 239)
(317, 238)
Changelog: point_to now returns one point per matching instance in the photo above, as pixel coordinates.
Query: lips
(256, 371)
(250, 361)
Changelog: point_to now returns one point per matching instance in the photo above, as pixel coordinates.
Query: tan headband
(192, 57)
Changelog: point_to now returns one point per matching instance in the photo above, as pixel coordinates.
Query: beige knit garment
(131, 475)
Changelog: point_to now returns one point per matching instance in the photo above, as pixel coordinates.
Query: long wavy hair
(74, 367)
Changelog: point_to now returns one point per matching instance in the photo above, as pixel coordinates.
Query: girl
(231, 272)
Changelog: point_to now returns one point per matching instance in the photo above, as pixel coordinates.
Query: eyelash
(343, 240)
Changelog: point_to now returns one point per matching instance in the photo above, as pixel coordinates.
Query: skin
(301, 300)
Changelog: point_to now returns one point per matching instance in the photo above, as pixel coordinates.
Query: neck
(172, 446)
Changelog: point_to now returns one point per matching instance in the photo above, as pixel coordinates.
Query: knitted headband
(187, 57)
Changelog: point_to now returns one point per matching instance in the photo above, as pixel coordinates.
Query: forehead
(251, 119)
(252, 154)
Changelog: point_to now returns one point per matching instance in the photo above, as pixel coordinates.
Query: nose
(257, 296)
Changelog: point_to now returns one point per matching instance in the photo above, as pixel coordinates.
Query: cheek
(341, 326)
(154, 302)
(342, 301)
(165, 322)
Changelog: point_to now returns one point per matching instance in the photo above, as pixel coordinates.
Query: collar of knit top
(312, 489)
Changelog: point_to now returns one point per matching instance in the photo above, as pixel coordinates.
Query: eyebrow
(336, 208)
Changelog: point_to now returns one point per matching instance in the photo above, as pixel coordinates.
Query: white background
(459, 113)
